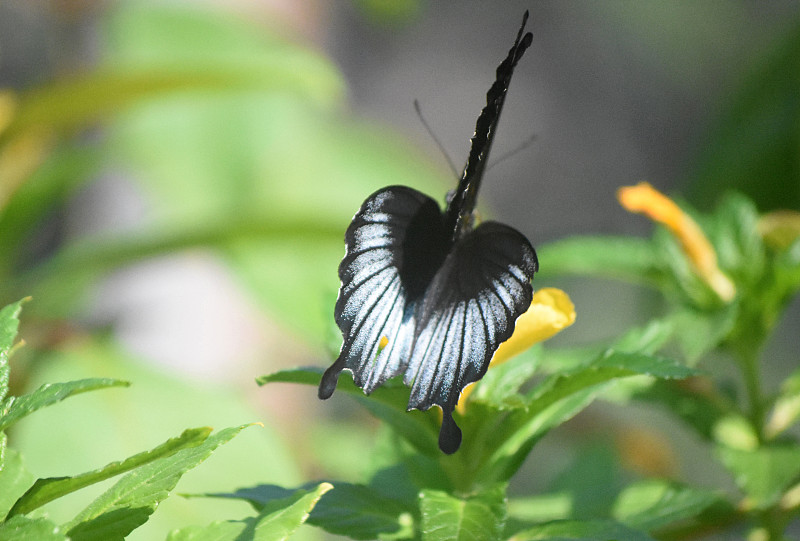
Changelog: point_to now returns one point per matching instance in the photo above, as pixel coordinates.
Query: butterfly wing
(468, 310)
(394, 245)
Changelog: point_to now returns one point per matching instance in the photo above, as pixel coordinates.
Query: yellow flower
(645, 199)
(551, 310)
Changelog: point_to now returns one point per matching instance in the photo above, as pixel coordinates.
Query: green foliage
(46, 490)
(446, 517)
(128, 503)
(463, 496)
(151, 475)
(276, 520)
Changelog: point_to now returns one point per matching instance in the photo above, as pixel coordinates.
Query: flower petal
(645, 199)
(550, 311)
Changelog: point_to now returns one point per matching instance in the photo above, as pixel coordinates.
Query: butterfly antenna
(525, 144)
(435, 139)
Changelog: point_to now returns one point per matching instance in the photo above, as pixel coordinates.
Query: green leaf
(577, 530)
(14, 479)
(763, 473)
(9, 324)
(592, 479)
(646, 339)
(786, 410)
(500, 386)
(15, 408)
(258, 496)
(624, 258)
(476, 518)
(361, 512)
(685, 286)
(387, 402)
(698, 332)
(654, 503)
(695, 401)
(129, 503)
(541, 507)
(610, 365)
(24, 529)
(46, 490)
(158, 406)
(277, 520)
(557, 399)
(392, 393)
(355, 511)
(644, 364)
(734, 232)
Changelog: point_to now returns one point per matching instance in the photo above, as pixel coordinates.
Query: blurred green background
(176, 178)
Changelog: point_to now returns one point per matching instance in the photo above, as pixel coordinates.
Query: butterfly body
(426, 295)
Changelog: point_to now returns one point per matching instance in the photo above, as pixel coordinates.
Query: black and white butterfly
(424, 293)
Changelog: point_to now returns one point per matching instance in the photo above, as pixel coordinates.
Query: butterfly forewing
(392, 248)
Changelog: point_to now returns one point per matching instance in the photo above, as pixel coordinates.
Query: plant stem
(752, 380)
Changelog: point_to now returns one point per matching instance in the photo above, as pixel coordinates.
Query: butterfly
(426, 294)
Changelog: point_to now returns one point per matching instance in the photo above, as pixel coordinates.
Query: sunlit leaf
(448, 518)
(277, 520)
(576, 530)
(9, 323)
(360, 512)
(22, 528)
(733, 229)
(46, 490)
(129, 503)
(500, 386)
(652, 504)
(697, 332)
(14, 479)
(610, 365)
(541, 507)
(154, 37)
(786, 410)
(122, 423)
(763, 473)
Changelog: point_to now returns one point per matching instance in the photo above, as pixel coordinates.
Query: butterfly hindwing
(470, 307)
